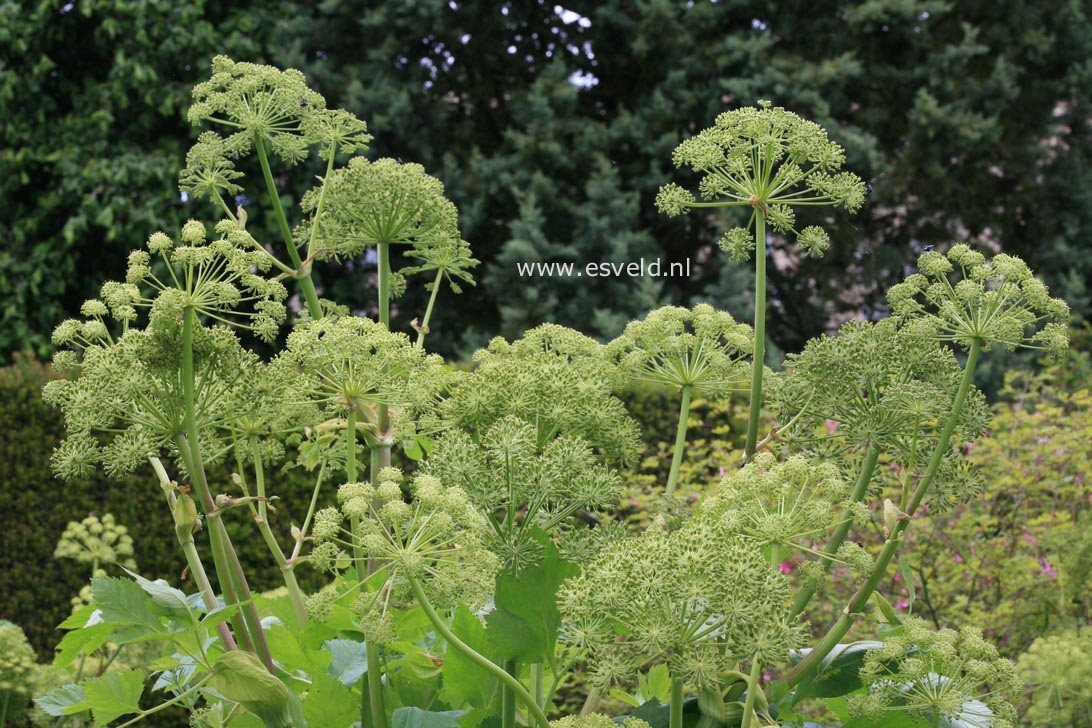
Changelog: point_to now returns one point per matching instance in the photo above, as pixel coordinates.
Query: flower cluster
(893, 390)
(255, 102)
(519, 486)
(18, 670)
(449, 259)
(937, 676)
(772, 161)
(700, 348)
(696, 599)
(127, 403)
(96, 541)
(558, 390)
(1056, 668)
(595, 720)
(383, 202)
(784, 506)
(354, 363)
(964, 298)
(436, 540)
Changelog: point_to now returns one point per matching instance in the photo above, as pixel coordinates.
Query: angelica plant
(699, 352)
(942, 677)
(98, 542)
(488, 571)
(771, 161)
(699, 600)
(990, 301)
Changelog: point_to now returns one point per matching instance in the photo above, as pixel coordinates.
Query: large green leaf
(525, 623)
(122, 601)
(417, 718)
(114, 694)
(837, 674)
(172, 601)
(65, 700)
(330, 703)
(349, 661)
(82, 641)
(241, 678)
(464, 680)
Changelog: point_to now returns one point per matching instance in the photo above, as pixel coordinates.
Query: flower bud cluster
(700, 348)
(962, 297)
(18, 666)
(98, 541)
(367, 203)
(772, 161)
(698, 600)
(787, 505)
(435, 539)
(944, 676)
(517, 485)
(893, 389)
(555, 382)
(354, 362)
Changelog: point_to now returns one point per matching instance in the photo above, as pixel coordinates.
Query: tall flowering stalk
(976, 304)
(771, 161)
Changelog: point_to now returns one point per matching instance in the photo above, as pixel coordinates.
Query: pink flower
(902, 605)
(721, 471)
(832, 427)
(957, 559)
(786, 567)
(1046, 569)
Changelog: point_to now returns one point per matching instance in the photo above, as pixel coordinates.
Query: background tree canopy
(552, 127)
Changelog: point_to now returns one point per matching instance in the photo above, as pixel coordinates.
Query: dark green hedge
(35, 507)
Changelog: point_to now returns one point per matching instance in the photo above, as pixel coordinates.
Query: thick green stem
(295, 594)
(860, 599)
(590, 703)
(193, 559)
(860, 490)
(307, 286)
(675, 709)
(508, 698)
(680, 441)
(755, 412)
(534, 712)
(371, 700)
(536, 680)
(422, 327)
(753, 689)
(228, 568)
(383, 265)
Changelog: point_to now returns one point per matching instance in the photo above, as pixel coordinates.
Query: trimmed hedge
(35, 507)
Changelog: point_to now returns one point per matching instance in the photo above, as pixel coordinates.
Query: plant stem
(422, 328)
(371, 700)
(383, 259)
(536, 680)
(228, 569)
(590, 703)
(675, 709)
(860, 490)
(383, 265)
(508, 698)
(752, 692)
(680, 440)
(295, 594)
(144, 714)
(193, 559)
(755, 412)
(307, 286)
(860, 598)
(534, 712)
